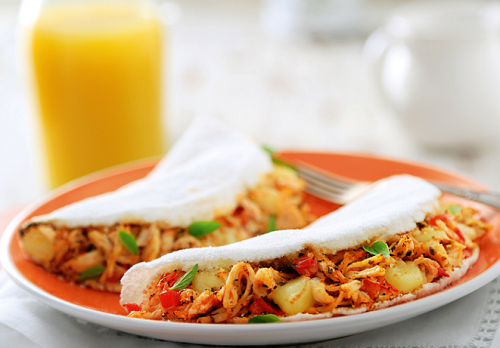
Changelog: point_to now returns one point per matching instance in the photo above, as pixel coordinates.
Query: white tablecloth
(469, 322)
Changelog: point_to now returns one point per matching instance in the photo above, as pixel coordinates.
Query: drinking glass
(95, 70)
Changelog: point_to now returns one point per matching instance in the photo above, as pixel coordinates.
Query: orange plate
(361, 167)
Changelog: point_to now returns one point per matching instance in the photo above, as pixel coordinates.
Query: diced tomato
(459, 234)
(445, 217)
(238, 211)
(305, 265)
(170, 298)
(449, 221)
(132, 307)
(242, 214)
(442, 272)
(260, 306)
(371, 288)
(386, 285)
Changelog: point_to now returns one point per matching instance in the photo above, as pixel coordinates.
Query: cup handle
(374, 52)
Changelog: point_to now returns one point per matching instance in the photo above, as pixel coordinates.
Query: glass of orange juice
(96, 72)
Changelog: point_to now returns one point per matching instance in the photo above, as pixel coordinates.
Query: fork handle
(490, 198)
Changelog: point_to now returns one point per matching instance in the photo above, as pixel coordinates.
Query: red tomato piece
(371, 288)
(170, 298)
(305, 265)
(459, 234)
(449, 221)
(132, 307)
(386, 285)
(445, 217)
(261, 306)
(442, 272)
(242, 214)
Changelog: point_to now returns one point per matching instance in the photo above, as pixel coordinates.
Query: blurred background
(410, 80)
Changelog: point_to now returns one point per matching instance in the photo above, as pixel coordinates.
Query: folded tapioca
(395, 243)
(216, 186)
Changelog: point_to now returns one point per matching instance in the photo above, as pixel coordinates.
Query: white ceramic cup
(438, 67)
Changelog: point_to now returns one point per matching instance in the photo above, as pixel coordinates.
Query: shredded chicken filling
(314, 281)
(71, 251)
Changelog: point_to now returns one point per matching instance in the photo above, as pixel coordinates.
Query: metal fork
(341, 190)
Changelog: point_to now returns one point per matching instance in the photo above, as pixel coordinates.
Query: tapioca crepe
(187, 185)
(323, 267)
(213, 177)
(393, 206)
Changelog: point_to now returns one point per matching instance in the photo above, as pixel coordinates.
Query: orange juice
(97, 70)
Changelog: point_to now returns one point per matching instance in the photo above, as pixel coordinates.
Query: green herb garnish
(275, 160)
(283, 163)
(91, 272)
(268, 150)
(128, 241)
(264, 318)
(185, 280)
(271, 223)
(379, 247)
(455, 209)
(202, 228)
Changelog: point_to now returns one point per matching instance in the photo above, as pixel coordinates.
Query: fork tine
(320, 185)
(320, 178)
(323, 185)
(324, 178)
(331, 187)
(338, 189)
(335, 198)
